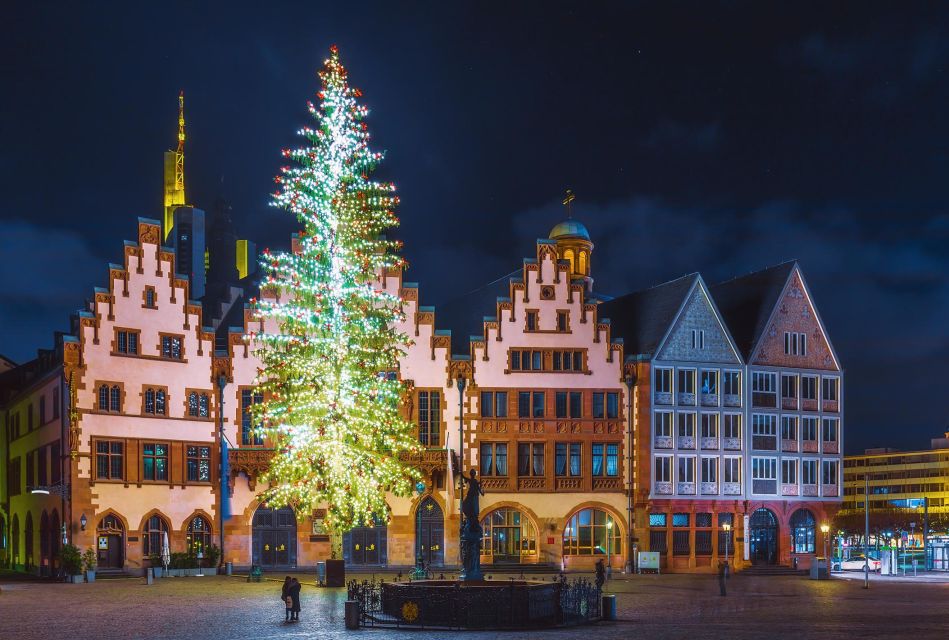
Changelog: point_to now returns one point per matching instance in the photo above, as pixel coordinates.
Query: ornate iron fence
(492, 605)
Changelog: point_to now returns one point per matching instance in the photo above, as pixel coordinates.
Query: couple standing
(290, 594)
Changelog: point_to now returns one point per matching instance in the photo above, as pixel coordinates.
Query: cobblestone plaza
(674, 606)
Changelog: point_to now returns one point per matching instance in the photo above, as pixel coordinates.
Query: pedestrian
(294, 592)
(600, 573)
(285, 597)
(722, 576)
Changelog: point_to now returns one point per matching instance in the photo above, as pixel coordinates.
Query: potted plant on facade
(212, 555)
(72, 562)
(89, 564)
(154, 560)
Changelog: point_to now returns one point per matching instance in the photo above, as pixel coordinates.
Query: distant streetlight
(727, 529)
(609, 558)
(825, 528)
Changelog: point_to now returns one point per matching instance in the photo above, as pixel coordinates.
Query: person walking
(722, 576)
(294, 592)
(285, 597)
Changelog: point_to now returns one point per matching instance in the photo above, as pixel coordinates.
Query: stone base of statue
(471, 536)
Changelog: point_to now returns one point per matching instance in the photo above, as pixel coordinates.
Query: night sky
(697, 137)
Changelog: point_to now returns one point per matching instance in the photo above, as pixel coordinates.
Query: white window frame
(667, 374)
(766, 427)
(836, 388)
(760, 465)
(792, 420)
(725, 425)
(823, 429)
(764, 376)
(737, 374)
(810, 420)
(663, 466)
(789, 463)
(714, 419)
(688, 467)
(659, 415)
(709, 463)
(795, 343)
(680, 423)
(807, 462)
(731, 466)
(698, 338)
(823, 465)
(679, 373)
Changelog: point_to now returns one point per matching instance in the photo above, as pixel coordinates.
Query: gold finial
(567, 202)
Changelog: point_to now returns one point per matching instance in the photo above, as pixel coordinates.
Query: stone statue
(471, 530)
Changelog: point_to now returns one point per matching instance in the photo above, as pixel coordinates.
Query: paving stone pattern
(674, 606)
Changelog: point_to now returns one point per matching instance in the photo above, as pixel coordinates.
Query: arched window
(44, 539)
(28, 535)
(152, 534)
(104, 398)
(592, 532)
(15, 541)
(802, 530)
(509, 536)
(199, 534)
(115, 398)
(3, 533)
(568, 256)
(55, 539)
(583, 263)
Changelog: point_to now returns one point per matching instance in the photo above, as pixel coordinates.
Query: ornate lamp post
(727, 528)
(609, 539)
(419, 572)
(824, 528)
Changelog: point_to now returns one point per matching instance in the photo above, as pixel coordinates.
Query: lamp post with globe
(419, 572)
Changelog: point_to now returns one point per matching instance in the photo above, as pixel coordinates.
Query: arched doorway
(15, 542)
(44, 544)
(509, 537)
(28, 535)
(275, 538)
(367, 545)
(763, 532)
(55, 540)
(431, 532)
(803, 531)
(110, 542)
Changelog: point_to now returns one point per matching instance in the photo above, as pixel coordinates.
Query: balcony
(663, 398)
(731, 488)
(685, 442)
(709, 443)
(709, 399)
(731, 444)
(731, 400)
(663, 488)
(789, 490)
(789, 445)
(709, 488)
(686, 398)
(685, 488)
(664, 442)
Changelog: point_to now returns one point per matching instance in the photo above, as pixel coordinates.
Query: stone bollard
(352, 614)
(608, 607)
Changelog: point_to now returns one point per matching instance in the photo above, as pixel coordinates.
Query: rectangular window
(487, 404)
(42, 410)
(56, 463)
(710, 382)
(686, 469)
(154, 461)
(663, 382)
(763, 424)
(429, 417)
(709, 469)
(789, 471)
(732, 426)
(126, 341)
(171, 347)
(795, 344)
(537, 404)
(763, 391)
(686, 425)
(537, 360)
(567, 459)
(663, 424)
(576, 404)
(524, 404)
(150, 297)
(109, 460)
(605, 459)
(789, 427)
(15, 477)
(829, 388)
(250, 434)
(57, 398)
(612, 459)
(42, 467)
(808, 387)
(789, 387)
(532, 321)
(515, 360)
(612, 404)
(561, 404)
(30, 469)
(530, 459)
(829, 472)
(731, 470)
(831, 426)
(710, 425)
(198, 404)
(663, 465)
(764, 469)
(199, 463)
(500, 404)
(686, 380)
(698, 339)
(493, 458)
(154, 401)
(809, 429)
(599, 402)
(731, 383)
(562, 321)
(809, 471)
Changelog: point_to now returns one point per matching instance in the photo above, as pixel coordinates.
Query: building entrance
(431, 533)
(366, 545)
(110, 543)
(275, 538)
(763, 535)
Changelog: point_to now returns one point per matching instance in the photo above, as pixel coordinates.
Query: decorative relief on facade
(731, 488)
(547, 292)
(663, 488)
(531, 484)
(830, 447)
(686, 399)
(494, 483)
(731, 444)
(598, 427)
(686, 442)
(698, 315)
(731, 400)
(607, 484)
(459, 369)
(809, 446)
(685, 488)
(569, 484)
(709, 443)
(427, 460)
(709, 399)
(663, 442)
(252, 462)
(830, 490)
(148, 233)
(789, 445)
(663, 398)
(809, 490)
(709, 488)
(788, 489)
(221, 366)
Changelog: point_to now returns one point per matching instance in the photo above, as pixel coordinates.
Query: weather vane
(567, 202)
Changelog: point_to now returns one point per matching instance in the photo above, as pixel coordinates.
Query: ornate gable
(795, 314)
(713, 344)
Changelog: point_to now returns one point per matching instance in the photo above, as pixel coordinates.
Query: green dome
(569, 228)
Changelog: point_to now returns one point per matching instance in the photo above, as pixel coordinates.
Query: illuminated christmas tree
(331, 399)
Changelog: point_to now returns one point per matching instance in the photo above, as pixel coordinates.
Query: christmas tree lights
(331, 399)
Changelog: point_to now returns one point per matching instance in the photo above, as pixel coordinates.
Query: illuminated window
(152, 534)
(583, 263)
(592, 532)
(250, 434)
(109, 460)
(568, 256)
(171, 347)
(802, 527)
(567, 459)
(199, 463)
(429, 417)
(199, 535)
(154, 461)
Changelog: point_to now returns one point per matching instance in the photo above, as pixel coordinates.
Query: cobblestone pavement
(673, 606)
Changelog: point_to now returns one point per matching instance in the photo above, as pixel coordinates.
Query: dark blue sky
(698, 136)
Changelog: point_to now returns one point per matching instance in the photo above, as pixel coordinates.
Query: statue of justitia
(470, 506)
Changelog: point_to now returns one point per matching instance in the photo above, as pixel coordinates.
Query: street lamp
(727, 528)
(609, 539)
(83, 522)
(419, 572)
(825, 528)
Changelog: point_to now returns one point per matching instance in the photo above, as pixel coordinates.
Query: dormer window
(150, 298)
